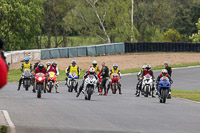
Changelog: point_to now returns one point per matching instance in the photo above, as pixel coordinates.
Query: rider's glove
(154, 80)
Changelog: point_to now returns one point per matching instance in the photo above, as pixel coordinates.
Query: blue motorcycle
(163, 89)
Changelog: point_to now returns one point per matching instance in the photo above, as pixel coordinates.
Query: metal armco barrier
(161, 47)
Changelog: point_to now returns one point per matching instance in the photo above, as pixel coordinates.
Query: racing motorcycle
(26, 76)
(90, 84)
(147, 85)
(40, 84)
(163, 89)
(114, 83)
(51, 81)
(72, 82)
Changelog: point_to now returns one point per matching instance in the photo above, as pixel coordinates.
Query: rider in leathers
(91, 71)
(164, 73)
(115, 70)
(53, 68)
(40, 69)
(139, 84)
(72, 68)
(25, 65)
(146, 71)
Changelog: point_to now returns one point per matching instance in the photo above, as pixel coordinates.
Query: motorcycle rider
(115, 70)
(91, 71)
(40, 69)
(146, 71)
(25, 65)
(139, 84)
(36, 64)
(168, 68)
(72, 68)
(105, 77)
(164, 73)
(3, 65)
(94, 64)
(53, 68)
(47, 64)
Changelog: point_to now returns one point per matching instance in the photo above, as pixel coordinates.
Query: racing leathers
(44, 71)
(51, 68)
(113, 71)
(23, 67)
(158, 80)
(87, 73)
(150, 72)
(71, 69)
(139, 84)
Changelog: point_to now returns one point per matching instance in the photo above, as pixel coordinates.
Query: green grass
(187, 94)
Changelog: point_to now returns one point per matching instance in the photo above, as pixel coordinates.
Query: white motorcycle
(90, 84)
(72, 82)
(147, 85)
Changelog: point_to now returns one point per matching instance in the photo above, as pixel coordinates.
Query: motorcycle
(51, 81)
(72, 82)
(147, 85)
(40, 84)
(26, 76)
(114, 83)
(163, 89)
(90, 84)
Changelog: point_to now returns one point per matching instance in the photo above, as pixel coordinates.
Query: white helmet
(92, 70)
(164, 71)
(94, 62)
(144, 66)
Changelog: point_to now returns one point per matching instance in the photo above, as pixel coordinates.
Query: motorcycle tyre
(89, 92)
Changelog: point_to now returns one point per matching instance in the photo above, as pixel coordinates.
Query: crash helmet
(73, 62)
(92, 70)
(115, 66)
(41, 66)
(26, 59)
(144, 66)
(94, 63)
(148, 67)
(164, 72)
(54, 63)
(48, 64)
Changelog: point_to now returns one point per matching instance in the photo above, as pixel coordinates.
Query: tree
(196, 37)
(172, 36)
(20, 23)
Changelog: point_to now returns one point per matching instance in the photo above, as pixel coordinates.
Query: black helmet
(40, 66)
(48, 64)
(54, 63)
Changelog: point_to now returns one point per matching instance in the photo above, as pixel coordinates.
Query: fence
(162, 47)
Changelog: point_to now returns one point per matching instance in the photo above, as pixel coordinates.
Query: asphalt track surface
(64, 113)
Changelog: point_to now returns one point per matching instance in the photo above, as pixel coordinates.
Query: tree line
(27, 24)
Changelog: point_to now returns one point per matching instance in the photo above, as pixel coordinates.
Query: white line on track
(11, 128)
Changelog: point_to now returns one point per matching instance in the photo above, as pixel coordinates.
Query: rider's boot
(120, 92)
(57, 90)
(138, 94)
(66, 80)
(80, 89)
(169, 95)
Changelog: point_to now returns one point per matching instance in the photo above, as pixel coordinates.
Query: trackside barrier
(18, 56)
(161, 47)
(82, 51)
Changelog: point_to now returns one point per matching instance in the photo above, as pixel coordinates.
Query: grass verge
(14, 74)
(187, 94)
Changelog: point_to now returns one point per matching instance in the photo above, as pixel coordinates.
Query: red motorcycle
(40, 84)
(114, 83)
